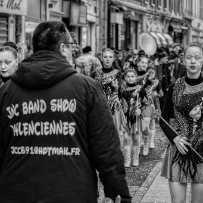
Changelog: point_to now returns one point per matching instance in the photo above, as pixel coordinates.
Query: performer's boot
(145, 151)
(127, 156)
(152, 139)
(141, 141)
(121, 138)
(135, 157)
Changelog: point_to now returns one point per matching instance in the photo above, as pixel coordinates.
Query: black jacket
(56, 130)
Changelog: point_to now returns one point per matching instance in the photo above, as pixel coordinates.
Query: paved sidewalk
(158, 191)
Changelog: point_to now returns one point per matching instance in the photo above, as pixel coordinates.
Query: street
(136, 176)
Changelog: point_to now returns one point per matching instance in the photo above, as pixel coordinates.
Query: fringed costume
(185, 94)
(153, 93)
(108, 78)
(148, 128)
(134, 95)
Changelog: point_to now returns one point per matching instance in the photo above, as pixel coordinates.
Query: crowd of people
(135, 86)
(69, 117)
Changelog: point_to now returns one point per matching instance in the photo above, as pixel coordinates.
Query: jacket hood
(43, 69)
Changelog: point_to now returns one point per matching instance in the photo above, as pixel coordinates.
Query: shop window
(3, 29)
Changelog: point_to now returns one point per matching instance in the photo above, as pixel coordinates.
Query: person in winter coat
(56, 129)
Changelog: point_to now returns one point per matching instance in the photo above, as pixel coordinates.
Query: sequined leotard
(182, 97)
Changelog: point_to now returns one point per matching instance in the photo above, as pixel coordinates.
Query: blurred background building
(106, 23)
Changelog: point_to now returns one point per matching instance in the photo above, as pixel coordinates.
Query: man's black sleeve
(105, 146)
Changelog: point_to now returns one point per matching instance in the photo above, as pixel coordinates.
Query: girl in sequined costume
(181, 165)
(148, 125)
(109, 78)
(154, 92)
(135, 96)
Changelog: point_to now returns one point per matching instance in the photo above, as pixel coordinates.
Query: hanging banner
(16, 7)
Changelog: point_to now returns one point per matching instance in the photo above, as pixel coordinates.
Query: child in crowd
(148, 110)
(154, 93)
(136, 98)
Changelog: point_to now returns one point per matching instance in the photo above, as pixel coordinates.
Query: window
(165, 4)
(180, 3)
(201, 7)
(159, 3)
(176, 6)
(171, 5)
(152, 2)
(189, 8)
(146, 1)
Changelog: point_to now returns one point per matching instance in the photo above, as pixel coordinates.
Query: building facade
(124, 23)
(12, 20)
(196, 7)
(106, 23)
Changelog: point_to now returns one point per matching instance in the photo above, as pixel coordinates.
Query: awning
(119, 4)
(127, 4)
(168, 38)
(184, 27)
(157, 39)
(162, 38)
(177, 28)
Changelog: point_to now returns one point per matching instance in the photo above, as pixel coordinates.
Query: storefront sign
(117, 18)
(16, 7)
(78, 15)
(154, 26)
(55, 16)
(83, 15)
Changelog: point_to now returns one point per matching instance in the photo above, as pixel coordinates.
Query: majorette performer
(154, 92)
(136, 97)
(148, 110)
(109, 77)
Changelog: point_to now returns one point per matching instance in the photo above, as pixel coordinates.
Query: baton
(176, 133)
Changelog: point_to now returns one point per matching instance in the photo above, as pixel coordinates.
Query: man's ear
(62, 49)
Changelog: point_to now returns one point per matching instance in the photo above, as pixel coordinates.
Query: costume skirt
(177, 170)
(120, 121)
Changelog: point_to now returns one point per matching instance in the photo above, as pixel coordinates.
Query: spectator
(56, 129)
(22, 51)
(8, 61)
(87, 64)
(29, 51)
(180, 69)
(120, 58)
